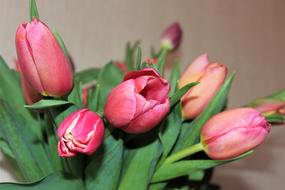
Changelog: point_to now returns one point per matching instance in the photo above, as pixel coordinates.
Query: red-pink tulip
(31, 96)
(233, 132)
(210, 76)
(139, 103)
(80, 132)
(171, 37)
(42, 60)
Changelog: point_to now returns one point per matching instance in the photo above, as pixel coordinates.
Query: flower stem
(183, 153)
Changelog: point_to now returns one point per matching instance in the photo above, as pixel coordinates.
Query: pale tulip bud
(210, 76)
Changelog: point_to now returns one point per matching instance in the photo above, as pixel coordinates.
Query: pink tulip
(171, 37)
(31, 96)
(210, 76)
(42, 60)
(233, 132)
(80, 132)
(139, 103)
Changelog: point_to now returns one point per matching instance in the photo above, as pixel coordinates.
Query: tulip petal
(121, 104)
(235, 143)
(194, 71)
(56, 76)
(143, 72)
(27, 66)
(149, 119)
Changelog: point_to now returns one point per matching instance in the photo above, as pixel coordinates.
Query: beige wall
(247, 35)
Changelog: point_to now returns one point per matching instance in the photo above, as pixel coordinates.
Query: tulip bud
(42, 60)
(139, 103)
(233, 132)
(31, 96)
(210, 76)
(171, 37)
(80, 132)
(121, 65)
(269, 106)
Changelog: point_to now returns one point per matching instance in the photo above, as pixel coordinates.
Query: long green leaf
(109, 77)
(54, 181)
(175, 75)
(29, 153)
(43, 104)
(10, 91)
(181, 168)
(103, 170)
(141, 167)
(191, 131)
(178, 94)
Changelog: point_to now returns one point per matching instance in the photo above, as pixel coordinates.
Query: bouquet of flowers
(124, 126)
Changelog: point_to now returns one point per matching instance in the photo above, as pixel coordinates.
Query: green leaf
(10, 91)
(178, 95)
(87, 75)
(28, 151)
(54, 181)
(60, 117)
(190, 133)
(103, 170)
(43, 104)
(33, 10)
(161, 60)
(175, 75)
(6, 149)
(170, 132)
(278, 95)
(141, 166)
(139, 58)
(129, 55)
(75, 96)
(109, 77)
(182, 168)
(275, 118)
(63, 47)
(94, 99)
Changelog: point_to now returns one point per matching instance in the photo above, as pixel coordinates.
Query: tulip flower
(233, 132)
(42, 60)
(171, 37)
(31, 96)
(210, 76)
(139, 103)
(80, 132)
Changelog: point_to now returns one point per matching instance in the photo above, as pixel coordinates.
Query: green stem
(184, 153)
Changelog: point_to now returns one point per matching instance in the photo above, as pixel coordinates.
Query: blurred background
(247, 36)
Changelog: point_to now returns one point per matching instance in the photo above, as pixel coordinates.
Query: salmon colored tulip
(171, 37)
(233, 132)
(42, 60)
(80, 132)
(210, 76)
(139, 103)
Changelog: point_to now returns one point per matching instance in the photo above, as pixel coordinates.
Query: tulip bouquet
(125, 126)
